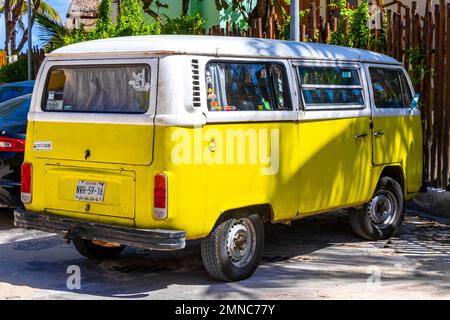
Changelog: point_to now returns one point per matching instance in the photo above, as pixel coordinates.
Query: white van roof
(223, 47)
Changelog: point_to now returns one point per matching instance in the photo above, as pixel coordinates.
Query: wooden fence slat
(407, 37)
(303, 33)
(437, 97)
(389, 33)
(446, 110)
(313, 20)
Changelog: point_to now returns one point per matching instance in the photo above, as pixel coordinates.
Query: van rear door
(92, 125)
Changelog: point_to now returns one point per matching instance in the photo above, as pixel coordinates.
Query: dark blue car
(14, 106)
(10, 91)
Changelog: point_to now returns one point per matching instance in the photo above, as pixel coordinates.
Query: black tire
(371, 224)
(93, 251)
(220, 261)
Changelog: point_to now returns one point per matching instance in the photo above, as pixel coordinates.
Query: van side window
(330, 87)
(246, 87)
(390, 88)
(99, 89)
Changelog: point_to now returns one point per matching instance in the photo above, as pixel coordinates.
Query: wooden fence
(38, 58)
(421, 41)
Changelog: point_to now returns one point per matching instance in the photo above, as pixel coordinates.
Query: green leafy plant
(359, 29)
(51, 32)
(416, 59)
(353, 27)
(184, 25)
(285, 33)
(130, 22)
(16, 71)
(104, 22)
(340, 37)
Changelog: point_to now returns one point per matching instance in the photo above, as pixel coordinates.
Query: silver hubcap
(241, 242)
(382, 209)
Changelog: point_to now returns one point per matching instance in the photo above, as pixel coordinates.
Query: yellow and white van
(152, 141)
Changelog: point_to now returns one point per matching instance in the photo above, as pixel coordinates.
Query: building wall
(82, 12)
(207, 10)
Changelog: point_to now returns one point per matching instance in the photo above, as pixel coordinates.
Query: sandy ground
(314, 258)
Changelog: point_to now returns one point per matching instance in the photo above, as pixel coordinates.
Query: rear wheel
(94, 251)
(233, 250)
(383, 214)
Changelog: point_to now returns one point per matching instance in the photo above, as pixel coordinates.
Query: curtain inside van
(122, 89)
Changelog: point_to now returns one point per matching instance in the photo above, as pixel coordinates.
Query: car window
(387, 89)
(103, 89)
(15, 108)
(10, 92)
(246, 87)
(330, 87)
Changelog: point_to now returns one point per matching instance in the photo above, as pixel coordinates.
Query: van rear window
(99, 89)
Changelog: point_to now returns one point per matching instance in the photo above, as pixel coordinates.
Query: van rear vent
(196, 84)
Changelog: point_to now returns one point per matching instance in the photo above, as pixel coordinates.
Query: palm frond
(51, 31)
(48, 10)
(44, 8)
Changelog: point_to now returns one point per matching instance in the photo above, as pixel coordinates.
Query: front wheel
(383, 214)
(233, 250)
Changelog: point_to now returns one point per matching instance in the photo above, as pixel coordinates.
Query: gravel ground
(314, 258)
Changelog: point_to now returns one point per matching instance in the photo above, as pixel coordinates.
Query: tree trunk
(147, 9)
(11, 36)
(185, 7)
(7, 14)
(33, 18)
(261, 10)
(16, 12)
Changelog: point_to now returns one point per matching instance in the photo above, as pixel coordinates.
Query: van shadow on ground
(319, 248)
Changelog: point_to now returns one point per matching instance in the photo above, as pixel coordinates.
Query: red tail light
(160, 197)
(11, 145)
(25, 182)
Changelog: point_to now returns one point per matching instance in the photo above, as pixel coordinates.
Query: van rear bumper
(154, 239)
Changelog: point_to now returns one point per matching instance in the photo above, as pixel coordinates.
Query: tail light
(160, 197)
(11, 145)
(25, 182)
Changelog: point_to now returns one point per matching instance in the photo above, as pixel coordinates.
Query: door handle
(361, 136)
(378, 133)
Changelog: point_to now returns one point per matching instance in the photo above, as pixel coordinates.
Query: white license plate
(91, 191)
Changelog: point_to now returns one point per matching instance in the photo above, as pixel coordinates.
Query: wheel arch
(397, 173)
(265, 211)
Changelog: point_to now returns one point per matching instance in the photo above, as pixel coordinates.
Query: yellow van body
(326, 160)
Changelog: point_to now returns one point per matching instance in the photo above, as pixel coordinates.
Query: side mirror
(415, 102)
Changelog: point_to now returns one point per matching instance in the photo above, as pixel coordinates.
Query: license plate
(91, 191)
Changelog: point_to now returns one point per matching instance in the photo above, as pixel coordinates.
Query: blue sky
(60, 5)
